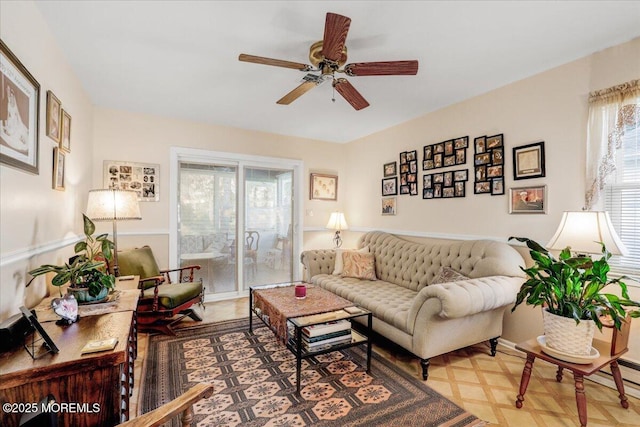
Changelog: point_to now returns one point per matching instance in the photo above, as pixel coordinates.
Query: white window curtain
(610, 111)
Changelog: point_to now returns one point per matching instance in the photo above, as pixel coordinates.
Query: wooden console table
(609, 355)
(98, 384)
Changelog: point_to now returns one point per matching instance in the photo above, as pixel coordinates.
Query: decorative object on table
(21, 104)
(528, 161)
(65, 137)
(67, 308)
(87, 272)
(389, 205)
(570, 287)
(446, 153)
(143, 178)
(113, 205)
(488, 163)
(390, 186)
(528, 200)
(54, 110)
(337, 222)
(37, 351)
(323, 187)
(301, 291)
(390, 169)
(408, 173)
(13, 332)
(444, 184)
(58, 169)
(95, 346)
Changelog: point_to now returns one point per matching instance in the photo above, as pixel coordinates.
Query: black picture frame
(452, 152)
(528, 161)
(23, 95)
(390, 186)
(48, 342)
(488, 161)
(390, 169)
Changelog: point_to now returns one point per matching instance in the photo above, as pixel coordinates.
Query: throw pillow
(447, 274)
(337, 270)
(359, 265)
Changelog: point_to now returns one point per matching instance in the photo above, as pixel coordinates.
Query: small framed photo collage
(488, 164)
(444, 154)
(445, 184)
(409, 172)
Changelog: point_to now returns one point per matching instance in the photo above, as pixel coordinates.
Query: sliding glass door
(236, 218)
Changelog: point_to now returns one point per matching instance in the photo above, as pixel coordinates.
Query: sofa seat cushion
(171, 295)
(387, 301)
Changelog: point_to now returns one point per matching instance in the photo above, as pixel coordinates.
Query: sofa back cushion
(414, 265)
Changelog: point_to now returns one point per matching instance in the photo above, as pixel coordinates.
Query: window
(622, 201)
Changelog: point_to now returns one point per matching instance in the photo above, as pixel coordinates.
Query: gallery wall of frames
(444, 178)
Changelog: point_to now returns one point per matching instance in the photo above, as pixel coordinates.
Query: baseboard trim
(602, 378)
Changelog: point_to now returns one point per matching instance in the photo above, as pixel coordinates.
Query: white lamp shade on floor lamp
(113, 205)
(584, 230)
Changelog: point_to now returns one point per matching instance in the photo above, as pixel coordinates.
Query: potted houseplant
(572, 287)
(87, 272)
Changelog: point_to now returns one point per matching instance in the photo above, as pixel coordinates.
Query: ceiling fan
(328, 56)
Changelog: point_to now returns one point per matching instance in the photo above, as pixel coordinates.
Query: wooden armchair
(183, 404)
(162, 302)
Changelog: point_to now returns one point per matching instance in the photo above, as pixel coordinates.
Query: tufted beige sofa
(428, 319)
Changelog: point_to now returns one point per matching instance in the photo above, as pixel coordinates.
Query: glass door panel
(267, 234)
(207, 223)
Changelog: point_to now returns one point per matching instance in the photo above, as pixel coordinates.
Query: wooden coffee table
(533, 350)
(278, 308)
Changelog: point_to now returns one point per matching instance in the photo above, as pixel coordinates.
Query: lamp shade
(109, 205)
(584, 230)
(337, 222)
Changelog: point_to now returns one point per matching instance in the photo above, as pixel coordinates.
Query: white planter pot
(562, 334)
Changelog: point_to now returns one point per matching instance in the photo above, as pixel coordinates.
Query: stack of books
(316, 336)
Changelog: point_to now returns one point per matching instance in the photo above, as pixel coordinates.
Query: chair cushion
(138, 262)
(171, 295)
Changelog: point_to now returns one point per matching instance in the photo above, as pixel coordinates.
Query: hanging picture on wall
(390, 186)
(444, 154)
(488, 164)
(143, 178)
(389, 206)
(444, 184)
(528, 161)
(409, 172)
(323, 187)
(19, 109)
(58, 169)
(390, 169)
(528, 200)
(54, 110)
(65, 137)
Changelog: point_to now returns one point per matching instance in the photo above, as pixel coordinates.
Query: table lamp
(584, 230)
(337, 222)
(113, 205)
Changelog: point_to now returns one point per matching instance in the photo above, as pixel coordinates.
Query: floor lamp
(337, 222)
(113, 205)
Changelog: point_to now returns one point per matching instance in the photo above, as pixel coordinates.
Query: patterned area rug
(254, 377)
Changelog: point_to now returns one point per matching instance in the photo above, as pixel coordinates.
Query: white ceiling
(180, 58)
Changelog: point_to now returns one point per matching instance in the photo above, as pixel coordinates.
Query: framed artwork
(19, 113)
(323, 187)
(528, 161)
(409, 172)
(54, 112)
(488, 161)
(389, 206)
(444, 154)
(58, 169)
(48, 345)
(445, 184)
(65, 138)
(390, 186)
(528, 200)
(390, 169)
(143, 178)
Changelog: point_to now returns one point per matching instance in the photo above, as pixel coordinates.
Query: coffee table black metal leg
(298, 357)
(251, 310)
(369, 320)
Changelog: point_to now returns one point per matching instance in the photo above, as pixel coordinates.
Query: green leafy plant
(88, 269)
(572, 286)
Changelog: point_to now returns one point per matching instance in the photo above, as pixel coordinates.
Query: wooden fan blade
(275, 62)
(389, 68)
(296, 93)
(336, 28)
(350, 93)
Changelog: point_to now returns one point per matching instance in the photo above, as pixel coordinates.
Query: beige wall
(35, 219)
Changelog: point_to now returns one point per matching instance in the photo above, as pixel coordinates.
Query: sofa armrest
(467, 297)
(318, 261)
